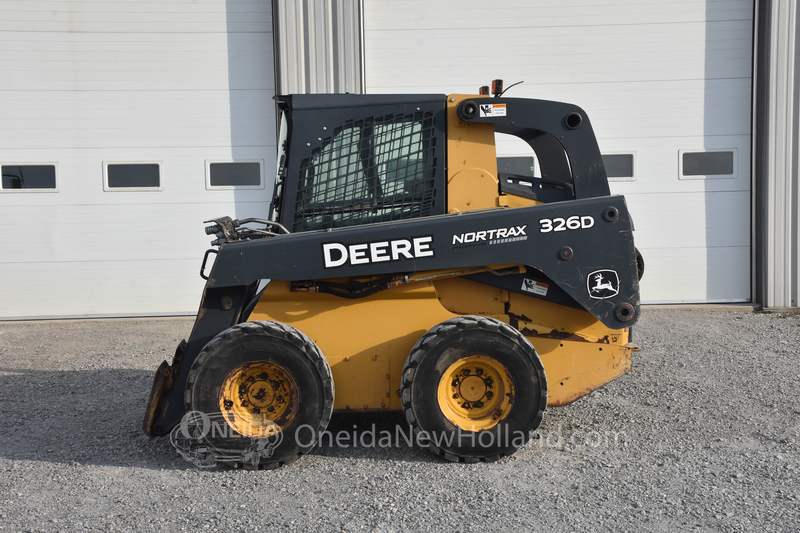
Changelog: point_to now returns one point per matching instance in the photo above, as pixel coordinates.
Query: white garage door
(125, 125)
(666, 85)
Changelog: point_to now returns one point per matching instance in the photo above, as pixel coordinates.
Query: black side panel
(584, 246)
(361, 159)
(559, 133)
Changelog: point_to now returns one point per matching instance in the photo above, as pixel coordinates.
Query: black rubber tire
(456, 339)
(275, 343)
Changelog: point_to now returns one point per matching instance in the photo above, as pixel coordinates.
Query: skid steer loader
(399, 267)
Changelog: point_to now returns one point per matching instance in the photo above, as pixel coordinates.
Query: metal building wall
(318, 46)
(776, 155)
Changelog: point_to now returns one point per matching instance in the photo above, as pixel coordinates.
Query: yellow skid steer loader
(402, 269)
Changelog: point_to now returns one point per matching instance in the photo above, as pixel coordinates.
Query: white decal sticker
(603, 284)
(536, 287)
(546, 225)
(336, 254)
(492, 236)
(492, 110)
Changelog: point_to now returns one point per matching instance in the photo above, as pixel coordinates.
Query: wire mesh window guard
(371, 170)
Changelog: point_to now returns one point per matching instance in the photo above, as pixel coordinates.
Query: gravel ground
(702, 434)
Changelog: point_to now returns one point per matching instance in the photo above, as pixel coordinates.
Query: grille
(372, 170)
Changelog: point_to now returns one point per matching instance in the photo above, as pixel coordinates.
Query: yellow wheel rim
(259, 399)
(476, 393)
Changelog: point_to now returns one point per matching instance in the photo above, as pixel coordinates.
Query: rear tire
(474, 388)
(270, 385)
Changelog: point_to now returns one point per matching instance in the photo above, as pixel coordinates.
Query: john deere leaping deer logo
(603, 284)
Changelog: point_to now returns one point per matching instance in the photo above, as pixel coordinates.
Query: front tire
(270, 385)
(474, 388)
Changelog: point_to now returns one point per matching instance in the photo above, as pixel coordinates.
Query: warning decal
(536, 287)
(492, 110)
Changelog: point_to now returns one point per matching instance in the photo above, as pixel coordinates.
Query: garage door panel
(657, 171)
(475, 14)
(696, 275)
(547, 53)
(691, 219)
(153, 17)
(52, 251)
(38, 47)
(97, 104)
(79, 302)
(656, 78)
(87, 83)
(590, 66)
(165, 206)
(139, 114)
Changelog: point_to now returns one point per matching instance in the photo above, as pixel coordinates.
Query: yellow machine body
(366, 341)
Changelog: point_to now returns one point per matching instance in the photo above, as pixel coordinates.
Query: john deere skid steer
(400, 270)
